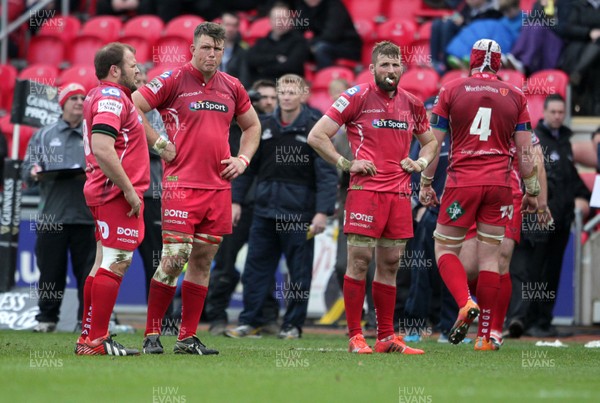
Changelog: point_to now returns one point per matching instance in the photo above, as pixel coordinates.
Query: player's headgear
(486, 53)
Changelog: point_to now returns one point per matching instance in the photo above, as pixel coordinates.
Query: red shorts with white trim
(463, 206)
(378, 214)
(197, 211)
(114, 229)
(513, 227)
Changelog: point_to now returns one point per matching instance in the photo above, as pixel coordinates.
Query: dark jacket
(564, 183)
(330, 22)
(263, 60)
(53, 147)
(291, 178)
(237, 65)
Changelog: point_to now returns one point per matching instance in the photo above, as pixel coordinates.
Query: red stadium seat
(42, 73)
(149, 27)
(143, 48)
(326, 75)
(424, 31)
(421, 82)
(7, 85)
(183, 26)
(258, 29)
(453, 75)
(547, 82)
(25, 133)
(364, 76)
(171, 51)
(418, 54)
(399, 31)
(157, 71)
(321, 100)
(527, 5)
(65, 28)
(82, 74)
(46, 50)
(84, 48)
(366, 29)
(513, 77)
(541, 84)
(371, 10)
(106, 27)
(535, 104)
(407, 9)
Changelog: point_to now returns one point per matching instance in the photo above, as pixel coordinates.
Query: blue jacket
(291, 178)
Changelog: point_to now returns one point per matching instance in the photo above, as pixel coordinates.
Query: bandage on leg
(116, 260)
(361, 241)
(208, 239)
(176, 252)
(449, 241)
(390, 243)
(489, 238)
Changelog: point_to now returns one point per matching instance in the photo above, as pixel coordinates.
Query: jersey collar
(487, 76)
(126, 90)
(381, 92)
(198, 74)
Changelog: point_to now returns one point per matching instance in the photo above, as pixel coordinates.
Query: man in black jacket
(334, 34)
(234, 52)
(284, 50)
(537, 260)
(295, 192)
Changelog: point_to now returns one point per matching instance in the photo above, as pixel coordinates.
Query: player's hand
(235, 167)
(529, 204)
(169, 153)
(236, 213)
(363, 167)
(134, 201)
(411, 166)
(319, 222)
(544, 215)
(427, 196)
(34, 172)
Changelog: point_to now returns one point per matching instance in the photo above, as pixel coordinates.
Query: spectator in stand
(283, 51)
(581, 55)
(117, 7)
(504, 31)
(538, 46)
(537, 259)
(234, 54)
(444, 29)
(334, 34)
(167, 10)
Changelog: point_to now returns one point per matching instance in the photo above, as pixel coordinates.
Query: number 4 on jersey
(481, 124)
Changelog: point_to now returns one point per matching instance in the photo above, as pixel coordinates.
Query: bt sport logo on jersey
(389, 124)
(208, 106)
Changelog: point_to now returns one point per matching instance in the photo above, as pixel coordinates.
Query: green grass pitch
(317, 368)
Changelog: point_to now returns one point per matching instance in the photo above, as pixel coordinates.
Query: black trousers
(52, 247)
(225, 277)
(535, 272)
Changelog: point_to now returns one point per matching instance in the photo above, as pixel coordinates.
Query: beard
(384, 85)
(128, 83)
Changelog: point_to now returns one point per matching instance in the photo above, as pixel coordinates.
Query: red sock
(86, 320)
(354, 299)
(159, 298)
(453, 273)
(192, 302)
(473, 286)
(487, 294)
(502, 303)
(104, 295)
(384, 299)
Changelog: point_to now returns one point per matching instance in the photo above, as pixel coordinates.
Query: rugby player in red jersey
(512, 236)
(381, 120)
(197, 103)
(117, 165)
(482, 115)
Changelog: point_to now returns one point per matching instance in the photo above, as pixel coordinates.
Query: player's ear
(192, 48)
(372, 68)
